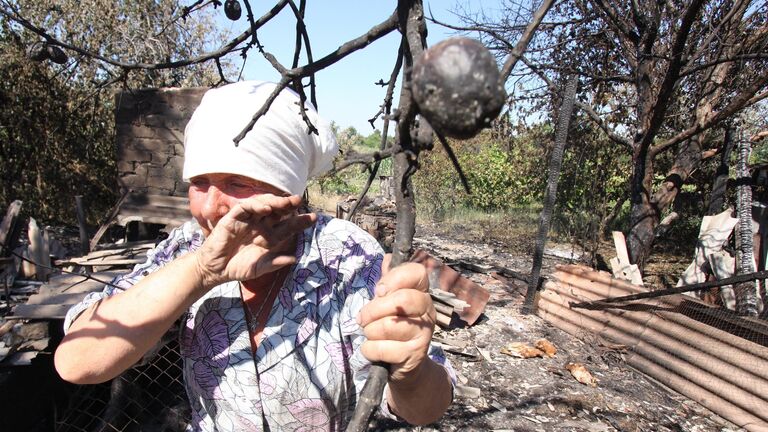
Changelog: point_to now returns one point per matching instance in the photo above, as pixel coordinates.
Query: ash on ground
(499, 392)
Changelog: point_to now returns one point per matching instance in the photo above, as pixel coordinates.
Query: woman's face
(211, 196)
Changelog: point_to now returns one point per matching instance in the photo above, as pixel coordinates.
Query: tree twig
(385, 109)
(454, 161)
(522, 44)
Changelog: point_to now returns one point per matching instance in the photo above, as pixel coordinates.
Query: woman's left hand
(399, 322)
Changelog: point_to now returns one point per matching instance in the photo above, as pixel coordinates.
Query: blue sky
(346, 91)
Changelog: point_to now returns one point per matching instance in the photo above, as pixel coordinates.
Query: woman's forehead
(227, 177)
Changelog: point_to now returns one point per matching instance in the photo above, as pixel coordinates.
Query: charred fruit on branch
(232, 9)
(56, 54)
(456, 87)
(38, 51)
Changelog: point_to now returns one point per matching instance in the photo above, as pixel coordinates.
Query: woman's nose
(216, 204)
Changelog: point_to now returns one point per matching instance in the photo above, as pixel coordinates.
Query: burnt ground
(499, 392)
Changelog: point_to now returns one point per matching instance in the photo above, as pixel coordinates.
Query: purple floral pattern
(308, 370)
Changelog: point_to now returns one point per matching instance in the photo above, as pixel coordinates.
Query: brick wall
(150, 138)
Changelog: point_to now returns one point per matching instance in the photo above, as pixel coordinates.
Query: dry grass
(514, 229)
(323, 202)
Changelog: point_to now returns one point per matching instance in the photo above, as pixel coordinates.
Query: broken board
(453, 282)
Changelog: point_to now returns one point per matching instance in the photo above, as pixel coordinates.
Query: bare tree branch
(625, 142)
(740, 57)
(375, 33)
(222, 51)
(386, 107)
(455, 162)
(672, 74)
(522, 44)
(738, 103)
(303, 35)
(615, 21)
(410, 14)
(364, 159)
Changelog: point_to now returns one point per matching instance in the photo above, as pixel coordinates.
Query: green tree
(56, 128)
(658, 79)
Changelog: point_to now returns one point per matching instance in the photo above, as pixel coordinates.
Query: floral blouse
(308, 371)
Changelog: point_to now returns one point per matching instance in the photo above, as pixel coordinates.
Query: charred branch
(221, 52)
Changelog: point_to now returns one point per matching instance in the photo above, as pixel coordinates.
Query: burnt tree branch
(221, 52)
(410, 14)
(522, 43)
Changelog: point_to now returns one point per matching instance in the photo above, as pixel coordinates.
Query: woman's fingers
(405, 276)
(399, 321)
(399, 303)
(394, 352)
(401, 329)
(272, 236)
(264, 205)
(294, 224)
(267, 219)
(256, 236)
(273, 261)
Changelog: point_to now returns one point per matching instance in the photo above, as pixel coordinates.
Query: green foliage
(593, 180)
(506, 171)
(352, 180)
(502, 173)
(759, 153)
(372, 141)
(57, 123)
(491, 177)
(52, 147)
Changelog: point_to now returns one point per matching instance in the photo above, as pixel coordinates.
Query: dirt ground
(499, 392)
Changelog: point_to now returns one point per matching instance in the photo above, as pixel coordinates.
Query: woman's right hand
(255, 237)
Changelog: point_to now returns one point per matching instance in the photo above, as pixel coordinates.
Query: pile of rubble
(377, 216)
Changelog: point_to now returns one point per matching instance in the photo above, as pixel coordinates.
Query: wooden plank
(153, 212)
(19, 359)
(153, 200)
(714, 232)
(39, 311)
(621, 247)
(723, 265)
(10, 228)
(38, 252)
(71, 279)
(107, 249)
(84, 244)
(108, 222)
(117, 261)
(77, 283)
(161, 209)
(64, 298)
(626, 271)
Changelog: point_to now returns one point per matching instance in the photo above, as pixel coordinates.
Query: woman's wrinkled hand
(399, 322)
(255, 237)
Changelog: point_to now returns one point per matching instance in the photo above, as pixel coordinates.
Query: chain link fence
(147, 398)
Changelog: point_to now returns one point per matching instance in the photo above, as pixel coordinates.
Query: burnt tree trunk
(719, 186)
(653, 102)
(413, 29)
(643, 216)
(555, 164)
(746, 292)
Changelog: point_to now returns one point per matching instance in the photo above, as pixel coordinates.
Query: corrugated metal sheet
(709, 355)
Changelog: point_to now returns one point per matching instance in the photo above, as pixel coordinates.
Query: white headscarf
(278, 150)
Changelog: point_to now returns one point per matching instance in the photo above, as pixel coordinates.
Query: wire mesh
(145, 398)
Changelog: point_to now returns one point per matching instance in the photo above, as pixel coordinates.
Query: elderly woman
(281, 313)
